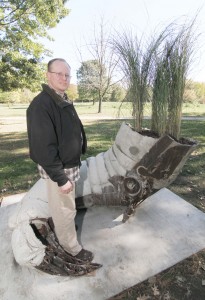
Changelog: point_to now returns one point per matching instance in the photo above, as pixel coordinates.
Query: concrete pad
(164, 230)
(8, 200)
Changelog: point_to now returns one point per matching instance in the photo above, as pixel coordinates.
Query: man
(56, 141)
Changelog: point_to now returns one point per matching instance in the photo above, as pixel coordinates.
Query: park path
(18, 123)
(101, 117)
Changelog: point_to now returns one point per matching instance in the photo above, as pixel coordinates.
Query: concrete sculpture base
(164, 230)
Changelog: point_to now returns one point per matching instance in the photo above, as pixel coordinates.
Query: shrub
(17, 96)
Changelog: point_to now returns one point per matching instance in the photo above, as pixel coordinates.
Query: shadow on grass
(14, 140)
(193, 115)
(17, 172)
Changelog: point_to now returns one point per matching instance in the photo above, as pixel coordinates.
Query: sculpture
(136, 166)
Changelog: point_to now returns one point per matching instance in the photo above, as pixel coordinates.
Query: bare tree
(103, 54)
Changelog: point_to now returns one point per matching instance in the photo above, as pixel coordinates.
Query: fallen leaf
(155, 290)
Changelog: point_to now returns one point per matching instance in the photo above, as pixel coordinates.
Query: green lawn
(112, 109)
(15, 110)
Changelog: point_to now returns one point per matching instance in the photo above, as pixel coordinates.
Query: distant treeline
(194, 92)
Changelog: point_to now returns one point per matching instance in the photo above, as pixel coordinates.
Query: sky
(139, 16)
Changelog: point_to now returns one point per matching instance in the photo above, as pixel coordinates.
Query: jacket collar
(55, 97)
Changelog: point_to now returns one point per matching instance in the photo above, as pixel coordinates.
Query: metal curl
(56, 260)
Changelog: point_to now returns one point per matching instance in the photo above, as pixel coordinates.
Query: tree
(199, 88)
(118, 93)
(194, 92)
(21, 24)
(72, 92)
(17, 71)
(104, 60)
(88, 81)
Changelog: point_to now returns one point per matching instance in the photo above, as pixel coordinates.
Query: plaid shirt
(73, 174)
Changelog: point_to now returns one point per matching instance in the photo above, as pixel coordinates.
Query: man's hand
(66, 188)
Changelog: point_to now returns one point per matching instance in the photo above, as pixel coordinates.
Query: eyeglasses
(61, 75)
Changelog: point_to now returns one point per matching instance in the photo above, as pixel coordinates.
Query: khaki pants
(62, 210)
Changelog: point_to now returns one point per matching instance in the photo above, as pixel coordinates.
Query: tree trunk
(100, 105)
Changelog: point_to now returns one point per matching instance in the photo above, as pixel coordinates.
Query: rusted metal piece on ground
(57, 261)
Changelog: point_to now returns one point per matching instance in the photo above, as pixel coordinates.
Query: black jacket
(56, 135)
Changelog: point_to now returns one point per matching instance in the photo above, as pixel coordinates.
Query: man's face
(59, 76)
